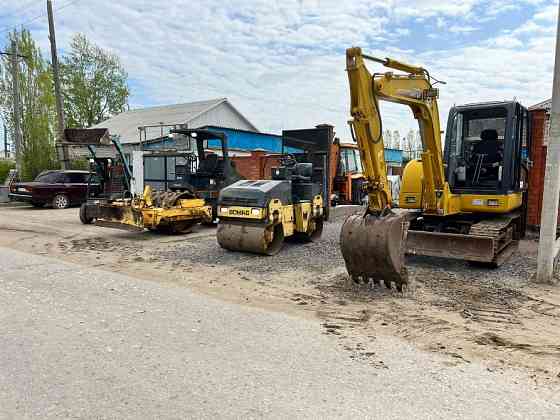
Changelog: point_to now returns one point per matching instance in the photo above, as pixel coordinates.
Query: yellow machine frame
(139, 213)
(292, 217)
(262, 230)
(424, 186)
(373, 245)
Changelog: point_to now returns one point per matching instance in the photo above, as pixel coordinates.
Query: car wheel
(60, 201)
(84, 218)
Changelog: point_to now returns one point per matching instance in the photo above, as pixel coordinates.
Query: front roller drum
(258, 239)
(373, 248)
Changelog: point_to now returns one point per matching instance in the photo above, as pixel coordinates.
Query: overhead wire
(25, 7)
(10, 27)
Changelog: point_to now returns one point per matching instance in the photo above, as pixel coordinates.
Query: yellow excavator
(466, 203)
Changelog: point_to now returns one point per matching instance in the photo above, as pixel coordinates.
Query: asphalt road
(82, 343)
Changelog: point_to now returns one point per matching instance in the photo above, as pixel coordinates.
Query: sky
(282, 62)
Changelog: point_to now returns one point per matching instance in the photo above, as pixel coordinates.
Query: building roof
(238, 130)
(541, 105)
(127, 123)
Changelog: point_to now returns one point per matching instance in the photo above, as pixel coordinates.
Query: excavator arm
(412, 89)
(373, 244)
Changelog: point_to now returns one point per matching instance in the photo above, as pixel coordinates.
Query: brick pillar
(536, 174)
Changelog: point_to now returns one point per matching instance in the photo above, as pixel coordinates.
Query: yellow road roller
(257, 215)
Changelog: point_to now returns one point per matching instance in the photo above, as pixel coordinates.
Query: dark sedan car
(59, 189)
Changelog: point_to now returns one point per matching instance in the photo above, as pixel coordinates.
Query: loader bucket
(119, 217)
(373, 248)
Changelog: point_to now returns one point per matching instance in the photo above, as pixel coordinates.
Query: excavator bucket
(373, 248)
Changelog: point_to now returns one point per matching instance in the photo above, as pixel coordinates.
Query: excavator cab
(483, 148)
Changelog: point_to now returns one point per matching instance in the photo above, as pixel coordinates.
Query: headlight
(223, 210)
(493, 203)
(212, 182)
(256, 212)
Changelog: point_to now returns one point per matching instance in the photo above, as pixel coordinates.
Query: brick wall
(536, 174)
(257, 166)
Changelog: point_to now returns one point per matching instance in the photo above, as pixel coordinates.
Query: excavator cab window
(358, 161)
(350, 161)
(476, 148)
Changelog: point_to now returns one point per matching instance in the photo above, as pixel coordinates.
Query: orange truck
(347, 177)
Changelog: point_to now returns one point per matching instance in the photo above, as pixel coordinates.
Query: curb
(14, 204)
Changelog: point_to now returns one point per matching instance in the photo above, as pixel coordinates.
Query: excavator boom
(373, 244)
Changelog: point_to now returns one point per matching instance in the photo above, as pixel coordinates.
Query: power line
(10, 54)
(25, 7)
(9, 28)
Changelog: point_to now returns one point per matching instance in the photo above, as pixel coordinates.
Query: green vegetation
(37, 105)
(94, 86)
(80, 164)
(5, 166)
(93, 82)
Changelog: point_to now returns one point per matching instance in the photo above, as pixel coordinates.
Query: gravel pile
(516, 272)
(320, 257)
(323, 256)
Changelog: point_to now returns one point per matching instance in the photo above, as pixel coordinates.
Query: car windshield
(50, 177)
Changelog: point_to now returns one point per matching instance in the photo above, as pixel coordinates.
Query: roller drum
(258, 239)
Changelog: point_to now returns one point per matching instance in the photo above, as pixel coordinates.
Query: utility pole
(6, 152)
(17, 104)
(60, 147)
(548, 244)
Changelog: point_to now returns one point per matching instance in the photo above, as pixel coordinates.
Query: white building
(144, 124)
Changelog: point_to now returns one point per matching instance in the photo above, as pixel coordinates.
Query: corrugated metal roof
(126, 124)
(241, 130)
(541, 105)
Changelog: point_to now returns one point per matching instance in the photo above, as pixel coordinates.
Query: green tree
(38, 151)
(94, 84)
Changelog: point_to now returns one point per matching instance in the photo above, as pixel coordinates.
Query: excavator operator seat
(489, 146)
(484, 147)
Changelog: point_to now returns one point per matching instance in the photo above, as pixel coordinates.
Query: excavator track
(502, 231)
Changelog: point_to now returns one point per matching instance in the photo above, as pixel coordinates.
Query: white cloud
(282, 62)
(459, 29)
(505, 41)
(548, 14)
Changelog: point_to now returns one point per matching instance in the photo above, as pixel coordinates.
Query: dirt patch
(464, 312)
